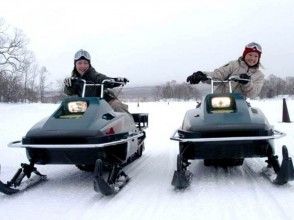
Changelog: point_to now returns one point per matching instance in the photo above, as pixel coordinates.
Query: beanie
(252, 47)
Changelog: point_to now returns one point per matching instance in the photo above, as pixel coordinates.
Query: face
(251, 58)
(82, 66)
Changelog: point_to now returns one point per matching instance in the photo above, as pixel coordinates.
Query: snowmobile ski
(280, 174)
(16, 185)
(182, 177)
(117, 179)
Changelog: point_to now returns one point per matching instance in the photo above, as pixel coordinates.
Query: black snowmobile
(84, 131)
(223, 130)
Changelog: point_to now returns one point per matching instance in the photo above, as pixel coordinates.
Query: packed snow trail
(215, 193)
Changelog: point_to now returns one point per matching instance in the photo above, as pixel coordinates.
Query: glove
(67, 81)
(121, 79)
(196, 77)
(244, 76)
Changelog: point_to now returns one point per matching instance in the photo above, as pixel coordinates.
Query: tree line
(273, 86)
(174, 90)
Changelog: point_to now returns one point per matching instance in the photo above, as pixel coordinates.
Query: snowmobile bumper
(276, 134)
(19, 144)
(226, 147)
(114, 151)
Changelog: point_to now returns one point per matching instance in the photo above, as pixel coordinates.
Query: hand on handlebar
(244, 78)
(67, 81)
(121, 79)
(196, 77)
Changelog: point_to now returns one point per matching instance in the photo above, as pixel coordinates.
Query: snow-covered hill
(215, 193)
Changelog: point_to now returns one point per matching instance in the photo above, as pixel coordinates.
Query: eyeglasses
(82, 53)
(255, 46)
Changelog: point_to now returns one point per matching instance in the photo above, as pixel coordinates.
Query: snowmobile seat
(141, 120)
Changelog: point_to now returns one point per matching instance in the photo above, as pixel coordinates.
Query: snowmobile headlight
(77, 106)
(221, 102)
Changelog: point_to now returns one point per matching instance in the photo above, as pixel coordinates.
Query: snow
(215, 193)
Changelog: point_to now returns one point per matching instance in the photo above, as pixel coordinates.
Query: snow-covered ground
(215, 193)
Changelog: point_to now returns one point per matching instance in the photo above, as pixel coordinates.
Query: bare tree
(14, 61)
(42, 83)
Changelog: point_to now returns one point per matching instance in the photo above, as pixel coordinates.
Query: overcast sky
(154, 41)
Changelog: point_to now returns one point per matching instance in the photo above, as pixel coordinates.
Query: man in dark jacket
(84, 70)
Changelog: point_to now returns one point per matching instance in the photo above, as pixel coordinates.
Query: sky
(155, 41)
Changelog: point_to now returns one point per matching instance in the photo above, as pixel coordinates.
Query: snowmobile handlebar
(106, 83)
(229, 80)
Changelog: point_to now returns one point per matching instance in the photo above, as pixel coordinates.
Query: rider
(84, 70)
(246, 67)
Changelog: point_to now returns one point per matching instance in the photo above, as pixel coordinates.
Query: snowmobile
(223, 130)
(84, 131)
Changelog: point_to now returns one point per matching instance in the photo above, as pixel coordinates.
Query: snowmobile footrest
(141, 120)
(181, 179)
(286, 171)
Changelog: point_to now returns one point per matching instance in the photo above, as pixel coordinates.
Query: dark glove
(196, 77)
(244, 76)
(121, 79)
(67, 82)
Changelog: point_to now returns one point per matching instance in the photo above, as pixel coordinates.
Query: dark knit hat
(252, 47)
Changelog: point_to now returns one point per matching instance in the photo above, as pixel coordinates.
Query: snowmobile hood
(65, 123)
(236, 116)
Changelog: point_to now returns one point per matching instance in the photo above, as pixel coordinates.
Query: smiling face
(251, 58)
(82, 66)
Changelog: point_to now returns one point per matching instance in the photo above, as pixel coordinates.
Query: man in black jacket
(84, 70)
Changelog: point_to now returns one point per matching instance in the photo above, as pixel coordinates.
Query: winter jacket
(91, 75)
(237, 67)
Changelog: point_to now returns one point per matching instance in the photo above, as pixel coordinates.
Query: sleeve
(253, 88)
(99, 77)
(223, 72)
(68, 90)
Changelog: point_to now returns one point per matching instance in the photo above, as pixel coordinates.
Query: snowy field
(215, 193)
